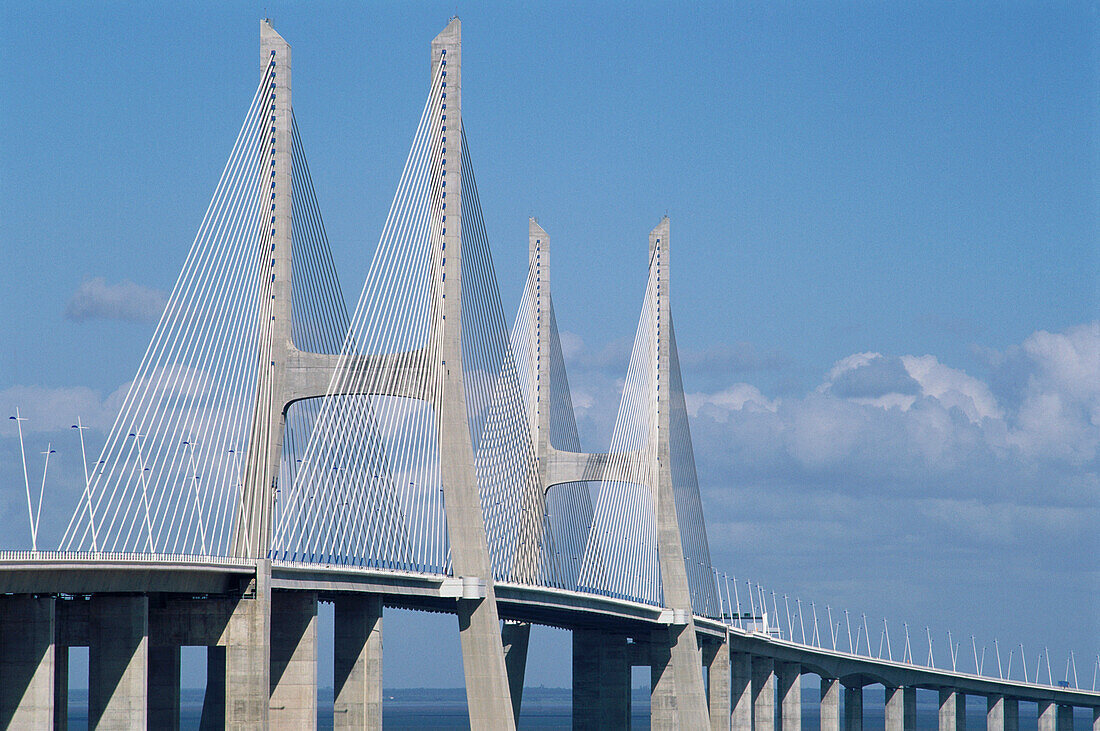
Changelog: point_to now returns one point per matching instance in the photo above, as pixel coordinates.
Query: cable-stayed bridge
(275, 450)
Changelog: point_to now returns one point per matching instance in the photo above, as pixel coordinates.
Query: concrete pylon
(287, 374)
(516, 635)
(487, 693)
(538, 261)
(687, 661)
(252, 531)
(681, 675)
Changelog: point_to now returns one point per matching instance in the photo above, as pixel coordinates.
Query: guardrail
(780, 622)
(112, 557)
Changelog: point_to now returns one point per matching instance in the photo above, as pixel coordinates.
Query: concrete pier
(830, 704)
(164, 687)
(790, 696)
(763, 694)
(1047, 712)
(357, 663)
(716, 656)
(1064, 719)
(901, 709)
(515, 636)
(740, 691)
(601, 681)
(1002, 714)
(27, 662)
(953, 711)
(213, 701)
(853, 707)
(662, 683)
(247, 665)
(118, 662)
(293, 702)
(60, 686)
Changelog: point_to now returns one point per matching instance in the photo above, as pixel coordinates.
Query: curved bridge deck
(197, 591)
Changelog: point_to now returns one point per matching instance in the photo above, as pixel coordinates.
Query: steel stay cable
(349, 342)
(145, 366)
(156, 367)
(69, 534)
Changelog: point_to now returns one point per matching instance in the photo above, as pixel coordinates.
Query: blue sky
(885, 262)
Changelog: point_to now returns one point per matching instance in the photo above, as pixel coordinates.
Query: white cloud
(952, 387)
(915, 424)
(96, 299)
(736, 397)
(850, 363)
(1069, 362)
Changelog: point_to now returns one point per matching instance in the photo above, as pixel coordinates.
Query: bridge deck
(80, 574)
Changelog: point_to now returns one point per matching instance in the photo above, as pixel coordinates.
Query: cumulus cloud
(872, 378)
(95, 299)
(735, 398)
(1059, 411)
(911, 424)
(952, 387)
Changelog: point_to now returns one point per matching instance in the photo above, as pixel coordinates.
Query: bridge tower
(252, 532)
(287, 374)
(487, 690)
(679, 699)
(685, 658)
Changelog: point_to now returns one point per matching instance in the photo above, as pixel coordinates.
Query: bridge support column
(246, 681)
(790, 696)
(357, 663)
(60, 687)
(118, 662)
(27, 657)
(1096, 719)
(763, 694)
(662, 690)
(953, 711)
(662, 684)
(601, 681)
(1064, 720)
(1002, 714)
(716, 655)
(213, 701)
(830, 704)
(1047, 712)
(853, 707)
(164, 687)
(741, 691)
(293, 660)
(515, 637)
(901, 709)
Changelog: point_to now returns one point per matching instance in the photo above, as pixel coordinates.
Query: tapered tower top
(449, 43)
(659, 237)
